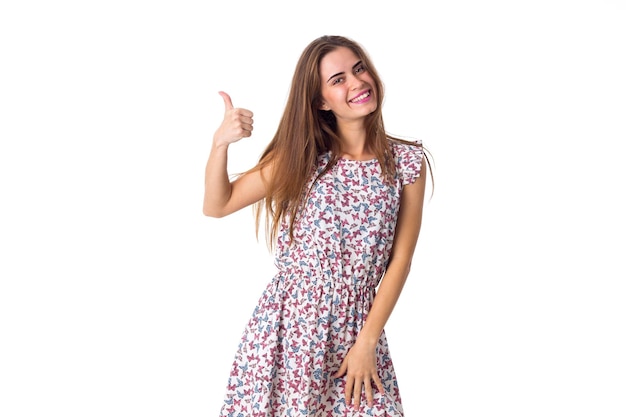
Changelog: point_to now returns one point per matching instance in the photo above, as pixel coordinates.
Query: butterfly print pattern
(311, 312)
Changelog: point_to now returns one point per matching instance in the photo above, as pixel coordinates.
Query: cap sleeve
(409, 158)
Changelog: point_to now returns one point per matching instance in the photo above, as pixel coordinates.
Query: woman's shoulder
(406, 149)
(408, 155)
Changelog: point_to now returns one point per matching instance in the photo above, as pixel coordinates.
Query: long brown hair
(305, 131)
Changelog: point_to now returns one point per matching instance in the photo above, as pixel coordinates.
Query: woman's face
(347, 88)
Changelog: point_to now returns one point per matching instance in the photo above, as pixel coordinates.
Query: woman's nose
(355, 82)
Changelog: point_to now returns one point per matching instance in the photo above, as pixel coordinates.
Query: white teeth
(361, 97)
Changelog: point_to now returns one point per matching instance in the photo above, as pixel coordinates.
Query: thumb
(342, 370)
(227, 101)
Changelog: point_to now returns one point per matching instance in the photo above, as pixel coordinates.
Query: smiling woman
(343, 203)
(349, 93)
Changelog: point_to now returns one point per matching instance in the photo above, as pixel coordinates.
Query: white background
(119, 298)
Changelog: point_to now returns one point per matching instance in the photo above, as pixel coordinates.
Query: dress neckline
(349, 161)
(357, 162)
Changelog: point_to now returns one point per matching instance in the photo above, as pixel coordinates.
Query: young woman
(343, 206)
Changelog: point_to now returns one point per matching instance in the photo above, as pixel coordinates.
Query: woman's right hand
(237, 123)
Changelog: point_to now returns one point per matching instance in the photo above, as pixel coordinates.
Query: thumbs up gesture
(237, 123)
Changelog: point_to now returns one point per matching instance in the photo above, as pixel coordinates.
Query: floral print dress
(311, 312)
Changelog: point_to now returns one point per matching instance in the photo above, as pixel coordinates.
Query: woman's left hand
(360, 369)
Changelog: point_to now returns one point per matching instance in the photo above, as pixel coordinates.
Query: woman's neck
(353, 142)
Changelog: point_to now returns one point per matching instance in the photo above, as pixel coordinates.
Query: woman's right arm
(221, 196)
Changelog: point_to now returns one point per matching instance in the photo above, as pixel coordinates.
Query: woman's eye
(337, 80)
(359, 69)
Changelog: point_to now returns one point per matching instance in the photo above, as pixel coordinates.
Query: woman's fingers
(237, 122)
(355, 387)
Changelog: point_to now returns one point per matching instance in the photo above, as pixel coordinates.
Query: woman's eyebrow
(343, 72)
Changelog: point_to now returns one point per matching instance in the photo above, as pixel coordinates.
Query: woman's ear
(323, 106)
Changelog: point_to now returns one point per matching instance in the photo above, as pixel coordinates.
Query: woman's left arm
(360, 362)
